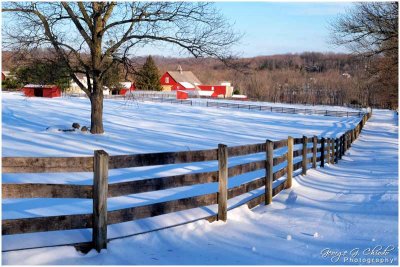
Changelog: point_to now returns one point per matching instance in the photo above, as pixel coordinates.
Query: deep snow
(135, 127)
(353, 204)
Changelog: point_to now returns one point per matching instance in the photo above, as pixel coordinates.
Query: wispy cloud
(317, 9)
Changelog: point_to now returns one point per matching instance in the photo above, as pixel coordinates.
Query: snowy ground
(134, 127)
(203, 101)
(353, 204)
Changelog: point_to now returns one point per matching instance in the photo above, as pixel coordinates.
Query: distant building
(179, 80)
(346, 75)
(181, 95)
(126, 87)
(74, 87)
(224, 90)
(186, 80)
(6, 75)
(36, 90)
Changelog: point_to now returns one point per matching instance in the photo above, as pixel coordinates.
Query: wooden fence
(218, 104)
(313, 151)
(166, 98)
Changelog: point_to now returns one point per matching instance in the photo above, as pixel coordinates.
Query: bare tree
(93, 37)
(371, 30)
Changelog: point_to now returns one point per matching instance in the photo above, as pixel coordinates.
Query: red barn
(6, 74)
(41, 90)
(218, 90)
(179, 80)
(186, 81)
(181, 95)
(127, 87)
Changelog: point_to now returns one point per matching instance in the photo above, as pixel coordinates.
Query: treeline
(307, 78)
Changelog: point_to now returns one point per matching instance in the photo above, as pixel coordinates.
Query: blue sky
(277, 28)
(274, 28)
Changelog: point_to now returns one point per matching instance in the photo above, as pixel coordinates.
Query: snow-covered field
(203, 102)
(353, 204)
(135, 127)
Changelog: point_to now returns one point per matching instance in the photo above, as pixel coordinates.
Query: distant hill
(309, 77)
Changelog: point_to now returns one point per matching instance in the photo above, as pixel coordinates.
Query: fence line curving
(314, 151)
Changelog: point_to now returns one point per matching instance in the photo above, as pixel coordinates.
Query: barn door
(38, 92)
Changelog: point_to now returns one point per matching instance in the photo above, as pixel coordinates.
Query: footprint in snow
(291, 198)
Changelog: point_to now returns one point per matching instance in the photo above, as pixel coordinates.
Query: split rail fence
(314, 151)
(217, 104)
(166, 98)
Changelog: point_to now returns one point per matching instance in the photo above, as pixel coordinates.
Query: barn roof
(184, 77)
(40, 86)
(126, 84)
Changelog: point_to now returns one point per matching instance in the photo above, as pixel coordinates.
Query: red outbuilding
(34, 90)
(181, 95)
(218, 90)
(127, 87)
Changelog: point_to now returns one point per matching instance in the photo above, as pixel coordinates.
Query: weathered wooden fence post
(347, 141)
(356, 132)
(343, 143)
(332, 150)
(363, 121)
(100, 192)
(340, 146)
(328, 148)
(222, 182)
(289, 169)
(269, 174)
(323, 152)
(304, 162)
(336, 150)
(314, 158)
(350, 138)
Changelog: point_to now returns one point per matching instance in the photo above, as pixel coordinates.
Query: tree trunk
(96, 99)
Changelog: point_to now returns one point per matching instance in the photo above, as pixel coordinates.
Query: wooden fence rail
(276, 109)
(313, 150)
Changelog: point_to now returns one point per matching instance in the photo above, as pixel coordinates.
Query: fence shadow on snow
(314, 151)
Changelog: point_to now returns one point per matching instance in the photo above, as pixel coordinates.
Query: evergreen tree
(148, 77)
(112, 78)
(41, 72)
